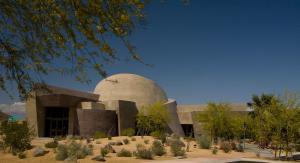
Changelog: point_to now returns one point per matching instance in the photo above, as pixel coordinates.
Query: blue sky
(213, 50)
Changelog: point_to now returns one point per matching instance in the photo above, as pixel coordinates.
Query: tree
(218, 122)
(152, 118)
(35, 34)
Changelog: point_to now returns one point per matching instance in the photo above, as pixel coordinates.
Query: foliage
(37, 34)
(109, 137)
(126, 141)
(133, 139)
(99, 134)
(22, 155)
(128, 132)
(124, 153)
(146, 141)
(218, 122)
(215, 150)
(226, 146)
(16, 136)
(157, 148)
(240, 148)
(152, 118)
(104, 152)
(177, 147)
(143, 153)
(72, 150)
(203, 142)
(52, 144)
(275, 122)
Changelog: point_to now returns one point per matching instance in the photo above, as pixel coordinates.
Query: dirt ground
(112, 158)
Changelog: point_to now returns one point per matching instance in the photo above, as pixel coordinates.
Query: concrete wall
(174, 124)
(126, 112)
(91, 105)
(92, 120)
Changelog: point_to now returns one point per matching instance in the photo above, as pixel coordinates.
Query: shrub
(143, 153)
(16, 136)
(104, 152)
(157, 148)
(203, 142)
(22, 155)
(156, 134)
(99, 134)
(124, 153)
(61, 152)
(72, 150)
(52, 144)
(233, 146)
(133, 139)
(226, 147)
(128, 132)
(146, 141)
(98, 142)
(126, 141)
(215, 150)
(240, 148)
(177, 147)
(109, 137)
(297, 147)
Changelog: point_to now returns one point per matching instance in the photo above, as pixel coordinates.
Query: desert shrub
(16, 136)
(124, 153)
(226, 146)
(109, 137)
(128, 132)
(52, 144)
(104, 152)
(203, 142)
(233, 146)
(22, 155)
(72, 150)
(98, 142)
(133, 139)
(215, 150)
(156, 134)
(177, 147)
(143, 153)
(61, 152)
(297, 147)
(240, 148)
(146, 141)
(157, 148)
(126, 141)
(99, 134)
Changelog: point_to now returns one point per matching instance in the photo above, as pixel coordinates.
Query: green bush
(52, 144)
(297, 148)
(143, 153)
(16, 136)
(124, 153)
(72, 150)
(156, 134)
(203, 142)
(22, 155)
(226, 146)
(99, 134)
(104, 152)
(215, 150)
(146, 141)
(109, 137)
(157, 148)
(177, 147)
(240, 148)
(128, 132)
(126, 141)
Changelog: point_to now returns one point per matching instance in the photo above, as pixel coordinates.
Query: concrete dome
(130, 87)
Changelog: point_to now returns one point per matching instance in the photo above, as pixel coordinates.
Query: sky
(212, 50)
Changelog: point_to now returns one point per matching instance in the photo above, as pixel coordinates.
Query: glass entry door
(56, 121)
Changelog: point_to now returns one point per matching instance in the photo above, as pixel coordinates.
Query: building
(111, 108)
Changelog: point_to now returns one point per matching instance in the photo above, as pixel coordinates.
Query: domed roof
(130, 87)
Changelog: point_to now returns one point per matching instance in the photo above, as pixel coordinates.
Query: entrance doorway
(56, 121)
(188, 130)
